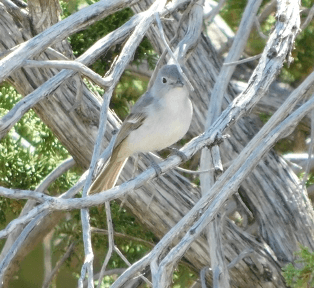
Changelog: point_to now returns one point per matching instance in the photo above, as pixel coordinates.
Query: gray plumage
(160, 118)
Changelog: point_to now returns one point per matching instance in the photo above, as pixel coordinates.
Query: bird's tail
(109, 175)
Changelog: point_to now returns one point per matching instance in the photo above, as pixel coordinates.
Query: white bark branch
(232, 178)
(58, 32)
(73, 65)
(211, 158)
(55, 270)
(16, 113)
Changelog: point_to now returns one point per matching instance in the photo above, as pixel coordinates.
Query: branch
(212, 158)
(234, 112)
(58, 32)
(16, 11)
(232, 178)
(308, 18)
(58, 265)
(243, 60)
(125, 236)
(73, 65)
(209, 16)
(94, 52)
(123, 60)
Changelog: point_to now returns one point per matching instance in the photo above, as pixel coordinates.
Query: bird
(160, 118)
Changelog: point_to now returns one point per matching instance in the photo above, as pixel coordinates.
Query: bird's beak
(179, 83)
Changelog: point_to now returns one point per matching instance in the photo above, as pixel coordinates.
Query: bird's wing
(135, 119)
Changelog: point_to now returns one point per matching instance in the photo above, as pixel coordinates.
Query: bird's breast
(165, 124)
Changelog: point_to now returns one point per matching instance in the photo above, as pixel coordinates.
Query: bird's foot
(175, 151)
(156, 167)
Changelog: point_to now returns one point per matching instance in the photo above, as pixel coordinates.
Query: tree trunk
(282, 215)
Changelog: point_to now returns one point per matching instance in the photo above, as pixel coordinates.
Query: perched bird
(161, 117)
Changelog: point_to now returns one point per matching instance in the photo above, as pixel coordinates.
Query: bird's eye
(164, 80)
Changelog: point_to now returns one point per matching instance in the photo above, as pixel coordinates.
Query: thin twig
(129, 264)
(249, 59)
(308, 18)
(162, 34)
(74, 65)
(124, 236)
(203, 276)
(53, 273)
(209, 17)
(259, 29)
(110, 242)
(311, 148)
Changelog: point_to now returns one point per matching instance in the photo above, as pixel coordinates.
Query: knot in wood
(282, 17)
(272, 53)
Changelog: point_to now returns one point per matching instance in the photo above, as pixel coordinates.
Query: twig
(171, 53)
(243, 254)
(74, 65)
(203, 276)
(311, 148)
(58, 32)
(129, 264)
(66, 255)
(243, 60)
(110, 242)
(201, 171)
(16, 113)
(259, 29)
(267, 10)
(308, 18)
(125, 236)
(209, 17)
(231, 179)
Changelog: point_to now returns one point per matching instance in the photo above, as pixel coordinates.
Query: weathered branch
(73, 65)
(211, 158)
(224, 188)
(58, 32)
(66, 255)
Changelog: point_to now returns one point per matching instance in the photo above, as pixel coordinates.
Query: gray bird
(160, 118)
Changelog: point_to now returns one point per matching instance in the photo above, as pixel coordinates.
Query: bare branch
(308, 18)
(212, 158)
(110, 242)
(125, 236)
(58, 32)
(259, 29)
(232, 178)
(73, 65)
(88, 250)
(16, 11)
(53, 273)
(243, 61)
(16, 113)
(213, 12)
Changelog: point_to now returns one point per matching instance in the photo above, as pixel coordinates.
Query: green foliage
(25, 168)
(301, 277)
